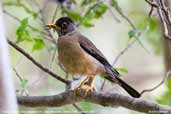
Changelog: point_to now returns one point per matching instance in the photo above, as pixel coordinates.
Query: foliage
(86, 106)
(150, 32)
(122, 70)
(24, 84)
(95, 11)
(38, 44)
(23, 34)
(87, 2)
(165, 98)
(116, 5)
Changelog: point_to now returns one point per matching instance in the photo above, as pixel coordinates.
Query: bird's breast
(76, 60)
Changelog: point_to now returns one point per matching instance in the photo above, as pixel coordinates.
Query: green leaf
(17, 90)
(86, 2)
(86, 106)
(22, 32)
(20, 112)
(151, 32)
(122, 70)
(165, 98)
(115, 5)
(152, 24)
(24, 84)
(87, 24)
(24, 23)
(169, 84)
(76, 16)
(133, 33)
(97, 10)
(38, 44)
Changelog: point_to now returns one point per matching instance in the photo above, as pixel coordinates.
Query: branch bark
(104, 99)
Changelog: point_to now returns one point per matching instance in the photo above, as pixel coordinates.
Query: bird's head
(63, 26)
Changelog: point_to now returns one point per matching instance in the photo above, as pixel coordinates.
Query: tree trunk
(8, 103)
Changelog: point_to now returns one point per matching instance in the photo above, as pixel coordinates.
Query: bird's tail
(113, 76)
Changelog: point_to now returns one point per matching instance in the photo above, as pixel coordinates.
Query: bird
(79, 56)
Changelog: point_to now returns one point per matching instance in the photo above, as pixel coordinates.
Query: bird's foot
(88, 89)
(85, 91)
(76, 90)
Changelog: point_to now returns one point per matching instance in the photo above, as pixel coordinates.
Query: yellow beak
(53, 26)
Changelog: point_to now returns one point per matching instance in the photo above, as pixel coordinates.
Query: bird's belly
(76, 61)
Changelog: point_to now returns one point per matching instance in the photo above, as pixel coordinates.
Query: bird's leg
(81, 85)
(90, 86)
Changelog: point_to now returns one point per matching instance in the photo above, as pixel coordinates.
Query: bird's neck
(68, 33)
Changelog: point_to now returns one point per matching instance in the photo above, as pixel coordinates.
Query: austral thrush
(80, 56)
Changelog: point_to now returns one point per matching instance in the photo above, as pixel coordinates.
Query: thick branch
(107, 99)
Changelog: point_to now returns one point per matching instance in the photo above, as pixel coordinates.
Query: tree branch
(104, 99)
(37, 63)
(164, 15)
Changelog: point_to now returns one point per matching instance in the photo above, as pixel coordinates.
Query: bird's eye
(64, 24)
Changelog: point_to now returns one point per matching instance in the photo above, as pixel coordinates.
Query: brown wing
(91, 49)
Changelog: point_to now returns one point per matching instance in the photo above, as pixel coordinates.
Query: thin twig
(161, 6)
(33, 83)
(78, 108)
(123, 51)
(103, 85)
(132, 43)
(151, 10)
(43, 20)
(17, 74)
(162, 17)
(55, 13)
(153, 4)
(165, 11)
(158, 85)
(23, 90)
(114, 16)
(53, 58)
(126, 18)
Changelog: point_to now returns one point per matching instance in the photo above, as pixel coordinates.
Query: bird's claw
(76, 90)
(85, 91)
(88, 89)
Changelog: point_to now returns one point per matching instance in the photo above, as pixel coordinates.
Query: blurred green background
(103, 22)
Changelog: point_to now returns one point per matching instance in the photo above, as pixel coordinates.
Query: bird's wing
(91, 49)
